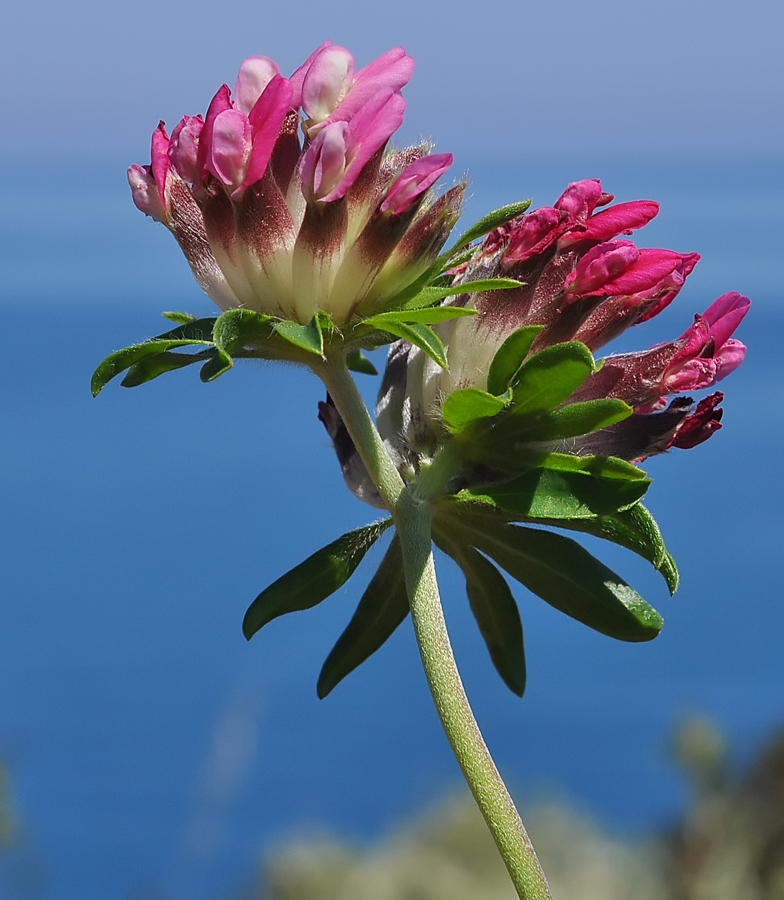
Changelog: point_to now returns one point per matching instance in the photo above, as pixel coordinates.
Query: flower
(288, 226)
(578, 282)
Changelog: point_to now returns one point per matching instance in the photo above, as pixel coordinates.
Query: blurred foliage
(728, 846)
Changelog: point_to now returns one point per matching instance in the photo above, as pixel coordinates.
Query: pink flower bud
(184, 148)
(600, 267)
(413, 181)
(327, 82)
(145, 192)
(623, 218)
(580, 199)
(230, 148)
(534, 233)
(255, 74)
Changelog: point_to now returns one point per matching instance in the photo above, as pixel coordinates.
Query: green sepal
(484, 226)
(421, 336)
(180, 317)
(547, 494)
(356, 361)
(383, 607)
(150, 367)
(467, 405)
(313, 580)
(570, 421)
(636, 530)
(430, 295)
(307, 337)
(510, 357)
(496, 613)
(566, 576)
(199, 331)
(550, 377)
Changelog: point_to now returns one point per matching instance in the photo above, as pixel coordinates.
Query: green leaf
(636, 530)
(218, 365)
(307, 337)
(179, 317)
(421, 336)
(510, 357)
(239, 327)
(118, 362)
(546, 494)
(428, 316)
(496, 614)
(158, 364)
(313, 580)
(566, 576)
(430, 295)
(565, 422)
(550, 377)
(484, 226)
(356, 361)
(466, 405)
(383, 607)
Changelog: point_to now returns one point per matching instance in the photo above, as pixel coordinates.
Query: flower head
(578, 282)
(288, 225)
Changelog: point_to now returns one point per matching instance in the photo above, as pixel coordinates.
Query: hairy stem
(412, 515)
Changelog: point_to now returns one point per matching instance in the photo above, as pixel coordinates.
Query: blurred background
(147, 750)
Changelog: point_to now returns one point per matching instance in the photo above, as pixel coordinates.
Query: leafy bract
(466, 405)
(495, 611)
(565, 575)
(510, 357)
(313, 580)
(383, 607)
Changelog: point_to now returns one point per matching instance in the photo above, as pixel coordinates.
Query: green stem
(412, 515)
(412, 518)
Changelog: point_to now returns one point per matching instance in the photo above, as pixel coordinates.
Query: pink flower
(286, 227)
(575, 285)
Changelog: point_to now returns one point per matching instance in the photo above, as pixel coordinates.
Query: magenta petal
(230, 149)
(622, 218)
(648, 270)
(266, 120)
(601, 265)
(324, 162)
(255, 74)
(414, 180)
(159, 154)
(534, 233)
(393, 69)
(580, 199)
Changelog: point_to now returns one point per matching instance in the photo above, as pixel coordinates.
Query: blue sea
(151, 751)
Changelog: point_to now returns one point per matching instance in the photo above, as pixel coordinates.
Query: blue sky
(502, 78)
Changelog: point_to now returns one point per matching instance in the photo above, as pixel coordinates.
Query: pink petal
(145, 192)
(725, 315)
(324, 162)
(266, 120)
(230, 149)
(159, 154)
(414, 180)
(622, 218)
(219, 103)
(649, 269)
(534, 233)
(729, 357)
(327, 82)
(600, 265)
(298, 77)
(184, 147)
(255, 74)
(580, 199)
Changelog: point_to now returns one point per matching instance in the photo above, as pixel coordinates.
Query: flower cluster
(579, 281)
(287, 226)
